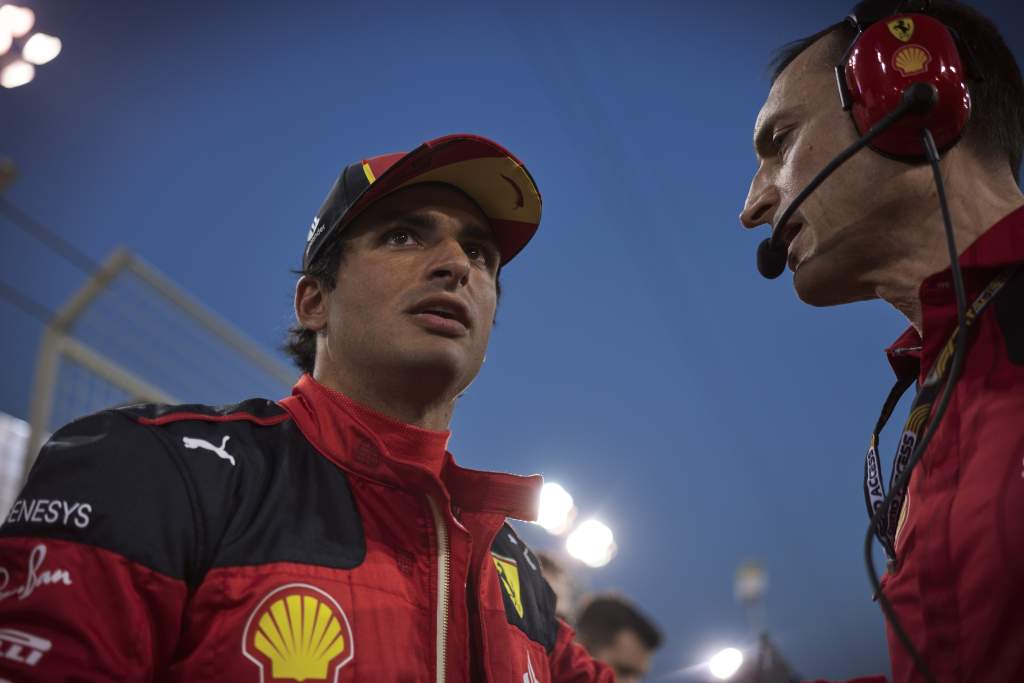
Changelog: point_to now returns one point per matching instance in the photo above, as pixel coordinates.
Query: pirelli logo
(21, 647)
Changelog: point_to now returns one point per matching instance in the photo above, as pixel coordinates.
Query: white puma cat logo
(202, 443)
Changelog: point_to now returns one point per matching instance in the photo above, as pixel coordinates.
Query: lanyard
(920, 415)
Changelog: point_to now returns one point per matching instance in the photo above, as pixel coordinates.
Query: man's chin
(443, 367)
(819, 283)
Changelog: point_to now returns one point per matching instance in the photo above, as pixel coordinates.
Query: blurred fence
(129, 335)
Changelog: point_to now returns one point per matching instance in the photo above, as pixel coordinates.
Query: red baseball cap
(484, 170)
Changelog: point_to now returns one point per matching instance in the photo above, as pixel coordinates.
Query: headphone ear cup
(888, 57)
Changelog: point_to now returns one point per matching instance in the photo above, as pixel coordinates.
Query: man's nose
(760, 205)
(451, 264)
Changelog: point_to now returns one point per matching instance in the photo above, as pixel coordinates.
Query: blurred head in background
(617, 633)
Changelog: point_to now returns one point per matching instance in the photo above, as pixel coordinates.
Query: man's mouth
(443, 314)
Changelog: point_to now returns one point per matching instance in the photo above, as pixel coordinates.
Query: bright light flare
(17, 73)
(592, 543)
(16, 21)
(41, 48)
(726, 663)
(556, 511)
(5, 42)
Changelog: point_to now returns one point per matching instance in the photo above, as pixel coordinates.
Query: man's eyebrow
(763, 133)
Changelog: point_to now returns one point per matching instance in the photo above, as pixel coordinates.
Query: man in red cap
(329, 536)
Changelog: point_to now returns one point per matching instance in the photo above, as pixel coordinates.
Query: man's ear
(310, 304)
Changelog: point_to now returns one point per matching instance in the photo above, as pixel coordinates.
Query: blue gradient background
(704, 413)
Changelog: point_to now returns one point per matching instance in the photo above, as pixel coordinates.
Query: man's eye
(779, 140)
(399, 238)
(478, 252)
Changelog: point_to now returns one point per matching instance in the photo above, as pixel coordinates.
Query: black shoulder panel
(1010, 313)
(183, 489)
(538, 619)
(106, 481)
(287, 503)
(264, 494)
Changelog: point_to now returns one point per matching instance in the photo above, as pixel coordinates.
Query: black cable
(34, 228)
(956, 365)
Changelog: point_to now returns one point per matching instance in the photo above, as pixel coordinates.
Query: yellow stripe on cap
(369, 173)
(512, 197)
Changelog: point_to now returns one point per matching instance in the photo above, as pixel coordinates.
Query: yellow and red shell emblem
(911, 59)
(298, 633)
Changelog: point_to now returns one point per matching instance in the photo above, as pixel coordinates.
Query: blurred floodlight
(17, 73)
(751, 581)
(5, 42)
(16, 21)
(41, 48)
(726, 663)
(592, 543)
(556, 510)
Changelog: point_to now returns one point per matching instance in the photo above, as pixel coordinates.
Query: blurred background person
(617, 633)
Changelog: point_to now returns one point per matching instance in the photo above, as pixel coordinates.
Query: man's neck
(923, 251)
(404, 404)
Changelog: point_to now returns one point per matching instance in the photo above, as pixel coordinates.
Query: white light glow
(17, 73)
(556, 510)
(41, 48)
(5, 42)
(592, 543)
(751, 582)
(726, 663)
(16, 21)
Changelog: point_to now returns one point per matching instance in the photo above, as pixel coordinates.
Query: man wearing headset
(328, 536)
(955, 540)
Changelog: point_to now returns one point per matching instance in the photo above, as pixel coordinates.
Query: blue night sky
(704, 413)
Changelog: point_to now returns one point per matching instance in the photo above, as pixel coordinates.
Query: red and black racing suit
(304, 540)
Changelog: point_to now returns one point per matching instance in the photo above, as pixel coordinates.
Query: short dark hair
(996, 128)
(605, 615)
(300, 342)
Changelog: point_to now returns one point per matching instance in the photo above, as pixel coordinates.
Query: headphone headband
(869, 12)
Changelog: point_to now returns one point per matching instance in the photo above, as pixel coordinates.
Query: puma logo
(206, 445)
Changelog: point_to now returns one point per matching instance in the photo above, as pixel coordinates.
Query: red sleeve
(76, 612)
(571, 663)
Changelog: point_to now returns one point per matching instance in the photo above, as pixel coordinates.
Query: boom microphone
(918, 98)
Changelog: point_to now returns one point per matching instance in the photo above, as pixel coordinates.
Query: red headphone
(893, 50)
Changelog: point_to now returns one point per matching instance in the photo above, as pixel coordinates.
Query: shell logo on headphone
(911, 59)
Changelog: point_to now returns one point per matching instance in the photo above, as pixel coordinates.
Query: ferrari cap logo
(902, 28)
(298, 633)
(508, 573)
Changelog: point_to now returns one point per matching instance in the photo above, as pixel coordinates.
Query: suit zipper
(443, 568)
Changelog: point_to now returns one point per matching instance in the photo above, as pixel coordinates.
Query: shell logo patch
(508, 574)
(902, 29)
(298, 633)
(911, 59)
